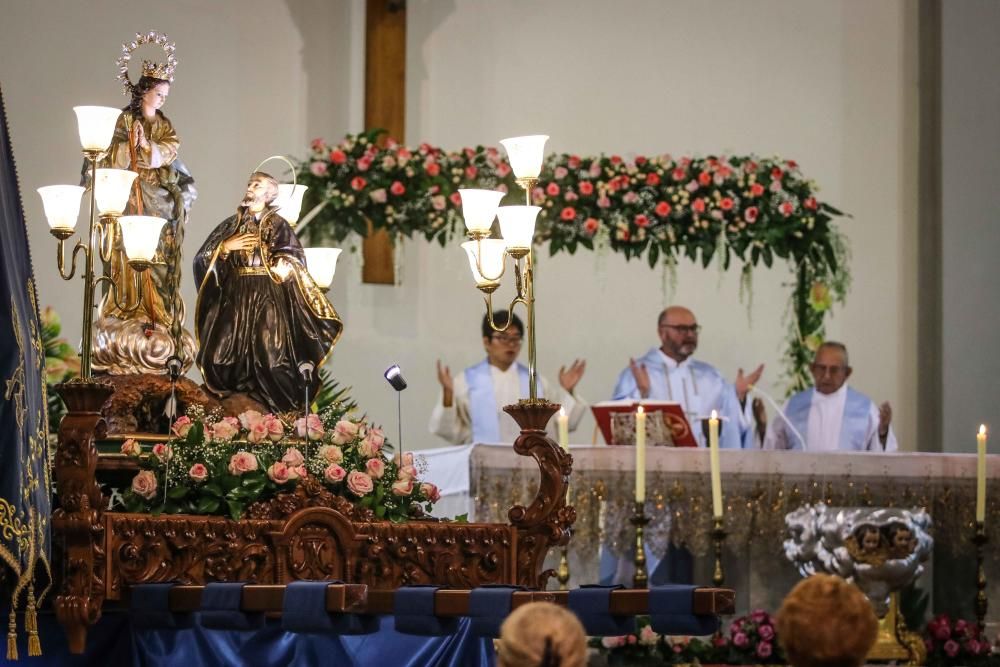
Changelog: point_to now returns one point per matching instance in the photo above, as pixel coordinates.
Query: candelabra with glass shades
(109, 191)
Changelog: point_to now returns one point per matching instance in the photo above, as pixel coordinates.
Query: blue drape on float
(24, 473)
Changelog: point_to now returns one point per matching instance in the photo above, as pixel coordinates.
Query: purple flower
(951, 648)
(764, 649)
(972, 646)
(759, 616)
(766, 632)
(740, 639)
(941, 631)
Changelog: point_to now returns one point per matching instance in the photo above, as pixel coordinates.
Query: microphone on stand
(395, 378)
(781, 413)
(306, 369)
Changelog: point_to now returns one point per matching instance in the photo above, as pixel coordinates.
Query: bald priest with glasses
(669, 373)
(470, 408)
(831, 416)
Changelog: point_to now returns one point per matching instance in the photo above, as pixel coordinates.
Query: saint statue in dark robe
(259, 316)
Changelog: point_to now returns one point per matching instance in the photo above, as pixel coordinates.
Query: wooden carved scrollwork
(78, 518)
(546, 522)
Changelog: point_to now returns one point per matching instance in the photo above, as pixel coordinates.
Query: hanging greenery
(754, 210)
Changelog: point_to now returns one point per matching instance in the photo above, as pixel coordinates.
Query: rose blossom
(726, 204)
(318, 168)
(585, 188)
(438, 202)
(552, 189)
(338, 156)
(764, 649)
(740, 639)
(293, 458)
(641, 220)
(225, 430)
(358, 183)
(756, 190)
(750, 215)
(662, 209)
(315, 427)
(198, 472)
(258, 432)
(334, 473)
(279, 473)
(144, 484)
(359, 483)
(455, 199)
(647, 637)
(331, 453)
(182, 426)
(590, 226)
(766, 632)
(375, 467)
(407, 472)
(344, 432)
(372, 444)
(402, 487)
(242, 462)
(163, 452)
(631, 639)
(809, 203)
(613, 642)
(652, 179)
(431, 491)
(432, 168)
(973, 646)
(568, 213)
(378, 196)
(275, 429)
(131, 448)
(951, 647)
(407, 459)
(603, 202)
(249, 418)
(786, 208)
(364, 163)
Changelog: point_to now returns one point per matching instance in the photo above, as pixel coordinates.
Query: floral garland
(222, 465)
(752, 209)
(959, 643)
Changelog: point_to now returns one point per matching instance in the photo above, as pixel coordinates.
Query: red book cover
(616, 419)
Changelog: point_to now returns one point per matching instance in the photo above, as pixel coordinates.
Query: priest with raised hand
(470, 408)
(831, 416)
(669, 373)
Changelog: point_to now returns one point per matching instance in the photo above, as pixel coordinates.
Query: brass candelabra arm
(115, 294)
(61, 258)
(106, 231)
(488, 300)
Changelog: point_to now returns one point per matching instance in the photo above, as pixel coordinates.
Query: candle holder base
(718, 540)
(980, 539)
(640, 520)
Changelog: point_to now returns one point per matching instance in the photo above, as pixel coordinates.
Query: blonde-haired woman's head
(826, 622)
(541, 634)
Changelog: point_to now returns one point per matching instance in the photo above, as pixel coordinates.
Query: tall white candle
(981, 473)
(713, 458)
(563, 421)
(640, 455)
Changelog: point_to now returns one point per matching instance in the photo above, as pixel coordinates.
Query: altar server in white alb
(668, 373)
(831, 416)
(470, 408)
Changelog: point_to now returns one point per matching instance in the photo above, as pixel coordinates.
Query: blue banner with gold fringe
(25, 486)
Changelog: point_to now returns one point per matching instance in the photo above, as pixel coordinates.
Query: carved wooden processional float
(309, 533)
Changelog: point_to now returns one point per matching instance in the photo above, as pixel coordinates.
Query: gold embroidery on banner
(15, 384)
(11, 526)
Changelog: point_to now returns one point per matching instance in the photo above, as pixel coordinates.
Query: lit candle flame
(715, 415)
(982, 429)
(562, 412)
(640, 410)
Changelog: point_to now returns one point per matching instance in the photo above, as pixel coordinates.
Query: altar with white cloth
(760, 488)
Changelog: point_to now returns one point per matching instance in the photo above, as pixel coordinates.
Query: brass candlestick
(562, 573)
(718, 539)
(639, 520)
(982, 604)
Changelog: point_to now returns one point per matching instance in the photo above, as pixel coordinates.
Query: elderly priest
(831, 416)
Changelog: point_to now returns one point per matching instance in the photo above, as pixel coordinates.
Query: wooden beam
(385, 108)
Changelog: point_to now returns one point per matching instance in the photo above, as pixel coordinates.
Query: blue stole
(483, 403)
(853, 425)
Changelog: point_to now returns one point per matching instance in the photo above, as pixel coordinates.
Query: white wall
(825, 83)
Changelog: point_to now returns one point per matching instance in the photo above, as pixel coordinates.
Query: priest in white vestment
(831, 416)
(470, 407)
(668, 373)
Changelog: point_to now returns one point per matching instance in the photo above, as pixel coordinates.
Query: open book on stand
(666, 423)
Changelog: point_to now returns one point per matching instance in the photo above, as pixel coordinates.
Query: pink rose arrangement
(223, 465)
(960, 642)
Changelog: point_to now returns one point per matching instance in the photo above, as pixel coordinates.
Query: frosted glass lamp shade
(517, 224)
(62, 206)
(97, 126)
(479, 207)
(322, 264)
(491, 261)
(113, 187)
(289, 201)
(526, 154)
(140, 236)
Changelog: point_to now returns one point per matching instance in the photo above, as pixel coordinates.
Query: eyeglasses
(508, 339)
(820, 369)
(683, 328)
